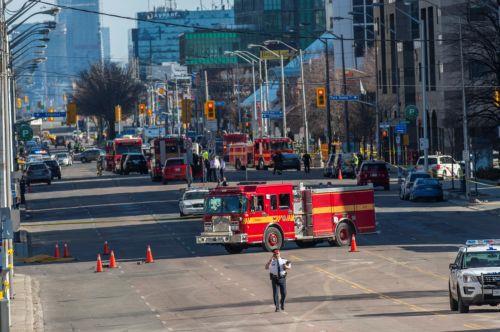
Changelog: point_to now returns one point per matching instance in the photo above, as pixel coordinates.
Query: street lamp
(19, 54)
(52, 12)
(424, 79)
(304, 97)
(252, 62)
(283, 97)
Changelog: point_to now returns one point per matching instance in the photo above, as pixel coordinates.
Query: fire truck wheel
(306, 244)
(233, 248)
(272, 239)
(343, 234)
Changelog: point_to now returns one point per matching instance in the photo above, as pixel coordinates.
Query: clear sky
(119, 28)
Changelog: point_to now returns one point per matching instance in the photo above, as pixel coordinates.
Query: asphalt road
(397, 282)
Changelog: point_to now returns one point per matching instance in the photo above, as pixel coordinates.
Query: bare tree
(102, 87)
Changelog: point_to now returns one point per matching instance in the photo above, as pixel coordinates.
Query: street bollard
(4, 315)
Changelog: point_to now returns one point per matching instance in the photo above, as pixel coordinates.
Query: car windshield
(289, 156)
(37, 167)
(195, 195)
(432, 161)
(51, 163)
(136, 157)
(122, 149)
(61, 155)
(427, 182)
(413, 177)
(374, 168)
(225, 204)
(482, 259)
(174, 162)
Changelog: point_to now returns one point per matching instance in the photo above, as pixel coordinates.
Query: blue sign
(272, 115)
(219, 104)
(344, 98)
(401, 128)
(41, 115)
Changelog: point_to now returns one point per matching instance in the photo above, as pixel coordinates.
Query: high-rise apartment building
(106, 43)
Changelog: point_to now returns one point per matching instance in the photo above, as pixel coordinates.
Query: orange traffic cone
(98, 267)
(57, 253)
(66, 251)
(340, 174)
(112, 261)
(149, 255)
(354, 246)
(106, 248)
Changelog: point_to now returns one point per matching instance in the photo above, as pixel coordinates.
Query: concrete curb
(26, 309)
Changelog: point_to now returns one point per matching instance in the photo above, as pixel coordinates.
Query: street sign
(220, 104)
(424, 144)
(398, 140)
(272, 115)
(385, 125)
(411, 112)
(25, 132)
(41, 115)
(401, 128)
(344, 98)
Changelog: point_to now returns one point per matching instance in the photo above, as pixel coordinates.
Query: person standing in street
(278, 267)
(306, 158)
(222, 168)
(216, 169)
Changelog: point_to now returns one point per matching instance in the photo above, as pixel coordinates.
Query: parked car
(64, 159)
(135, 162)
(60, 141)
(284, 161)
(441, 166)
(192, 202)
(88, 155)
(427, 189)
(331, 168)
(174, 169)
(374, 172)
(55, 169)
(38, 172)
(407, 184)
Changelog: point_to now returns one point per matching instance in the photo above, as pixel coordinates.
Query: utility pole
(283, 95)
(304, 100)
(346, 104)
(328, 92)
(466, 153)
(424, 94)
(377, 115)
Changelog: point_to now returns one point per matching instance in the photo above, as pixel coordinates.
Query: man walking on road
(277, 267)
(306, 158)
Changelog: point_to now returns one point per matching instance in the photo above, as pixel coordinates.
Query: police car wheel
(453, 302)
(233, 248)
(462, 308)
(272, 239)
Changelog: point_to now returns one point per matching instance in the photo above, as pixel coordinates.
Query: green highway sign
(411, 112)
(25, 132)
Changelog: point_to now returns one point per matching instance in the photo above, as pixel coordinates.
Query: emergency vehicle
(257, 213)
(119, 146)
(229, 139)
(258, 154)
(475, 275)
(163, 149)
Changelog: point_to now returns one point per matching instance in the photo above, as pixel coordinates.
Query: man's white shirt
(273, 268)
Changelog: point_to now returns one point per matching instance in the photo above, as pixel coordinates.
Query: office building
(106, 43)
(153, 44)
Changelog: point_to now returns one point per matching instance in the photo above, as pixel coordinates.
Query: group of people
(215, 167)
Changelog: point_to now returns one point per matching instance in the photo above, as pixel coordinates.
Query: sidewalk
(26, 313)
(487, 198)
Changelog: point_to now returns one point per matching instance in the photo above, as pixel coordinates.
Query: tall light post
(283, 88)
(303, 85)
(252, 62)
(423, 43)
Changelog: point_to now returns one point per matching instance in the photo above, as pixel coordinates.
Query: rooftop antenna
(201, 4)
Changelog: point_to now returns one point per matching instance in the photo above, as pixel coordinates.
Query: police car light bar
(482, 242)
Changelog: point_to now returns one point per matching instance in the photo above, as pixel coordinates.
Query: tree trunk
(111, 128)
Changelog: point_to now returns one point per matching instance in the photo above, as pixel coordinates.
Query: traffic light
(118, 113)
(19, 103)
(320, 97)
(71, 117)
(186, 114)
(210, 110)
(385, 133)
(150, 112)
(496, 98)
(142, 108)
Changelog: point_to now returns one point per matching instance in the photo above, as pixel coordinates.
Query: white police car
(192, 202)
(475, 275)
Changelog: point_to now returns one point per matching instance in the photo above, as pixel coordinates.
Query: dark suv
(374, 172)
(54, 167)
(134, 162)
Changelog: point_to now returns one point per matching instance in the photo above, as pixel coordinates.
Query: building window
(272, 4)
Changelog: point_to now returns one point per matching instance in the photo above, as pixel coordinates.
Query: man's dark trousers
(281, 284)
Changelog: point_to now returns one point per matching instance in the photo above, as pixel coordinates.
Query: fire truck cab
(257, 213)
(266, 148)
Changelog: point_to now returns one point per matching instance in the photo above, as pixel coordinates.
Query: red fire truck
(119, 146)
(229, 139)
(163, 149)
(260, 153)
(254, 213)
(241, 155)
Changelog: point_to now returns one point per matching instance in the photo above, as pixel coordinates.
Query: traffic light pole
(346, 104)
